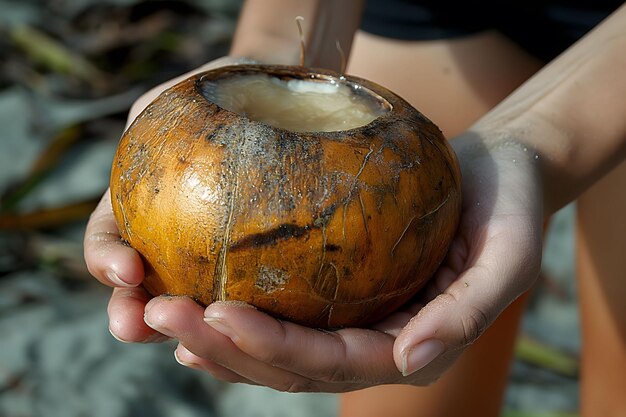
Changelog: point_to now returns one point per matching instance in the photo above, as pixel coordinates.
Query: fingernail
(219, 325)
(182, 362)
(151, 303)
(421, 355)
(156, 326)
(116, 337)
(115, 279)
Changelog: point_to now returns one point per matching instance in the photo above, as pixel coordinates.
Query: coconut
(323, 228)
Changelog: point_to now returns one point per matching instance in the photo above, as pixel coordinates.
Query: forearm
(267, 31)
(572, 114)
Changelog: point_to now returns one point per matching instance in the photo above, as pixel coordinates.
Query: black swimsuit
(543, 28)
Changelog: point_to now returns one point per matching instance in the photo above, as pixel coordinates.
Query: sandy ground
(57, 358)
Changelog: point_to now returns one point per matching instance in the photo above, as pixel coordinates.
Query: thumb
(459, 315)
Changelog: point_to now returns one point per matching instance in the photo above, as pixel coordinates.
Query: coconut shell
(324, 229)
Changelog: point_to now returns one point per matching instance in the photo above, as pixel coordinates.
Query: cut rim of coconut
(294, 98)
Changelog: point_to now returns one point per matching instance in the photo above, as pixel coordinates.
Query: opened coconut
(319, 198)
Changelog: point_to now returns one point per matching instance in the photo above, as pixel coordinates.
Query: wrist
(502, 176)
(571, 114)
(267, 31)
(266, 49)
(531, 142)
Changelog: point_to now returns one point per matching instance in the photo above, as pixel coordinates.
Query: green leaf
(52, 54)
(539, 354)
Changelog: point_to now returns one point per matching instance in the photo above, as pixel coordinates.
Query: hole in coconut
(319, 104)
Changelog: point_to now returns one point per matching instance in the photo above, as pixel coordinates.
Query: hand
(114, 263)
(494, 258)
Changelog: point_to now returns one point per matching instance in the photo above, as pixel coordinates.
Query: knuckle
(474, 324)
(279, 352)
(102, 238)
(269, 356)
(337, 374)
(297, 385)
(271, 352)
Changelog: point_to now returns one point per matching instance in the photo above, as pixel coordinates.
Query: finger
(181, 318)
(188, 359)
(453, 265)
(126, 324)
(502, 270)
(347, 355)
(107, 256)
(395, 322)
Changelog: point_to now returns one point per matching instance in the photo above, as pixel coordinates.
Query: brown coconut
(326, 229)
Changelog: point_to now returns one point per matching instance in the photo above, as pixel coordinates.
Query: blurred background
(69, 71)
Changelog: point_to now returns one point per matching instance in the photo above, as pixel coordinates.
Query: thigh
(453, 82)
(601, 262)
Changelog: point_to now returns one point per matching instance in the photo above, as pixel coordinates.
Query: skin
(512, 180)
(601, 264)
(488, 69)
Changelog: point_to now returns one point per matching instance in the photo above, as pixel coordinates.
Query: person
(530, 137)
